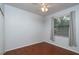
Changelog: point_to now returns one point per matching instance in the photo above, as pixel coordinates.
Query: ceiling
(36, 8)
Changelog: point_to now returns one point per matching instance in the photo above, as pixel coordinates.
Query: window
(61, 26)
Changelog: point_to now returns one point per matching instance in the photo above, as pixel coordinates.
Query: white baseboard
(63, 47)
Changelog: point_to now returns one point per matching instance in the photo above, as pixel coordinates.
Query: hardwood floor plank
(41, 49)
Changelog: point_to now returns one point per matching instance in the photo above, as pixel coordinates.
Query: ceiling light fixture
(44, 7)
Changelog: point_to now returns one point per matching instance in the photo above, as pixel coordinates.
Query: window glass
(61, 26)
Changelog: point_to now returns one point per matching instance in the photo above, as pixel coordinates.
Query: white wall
(22, 28)
(63, 43)
(1, 31)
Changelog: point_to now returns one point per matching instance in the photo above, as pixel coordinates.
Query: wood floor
(40, 49)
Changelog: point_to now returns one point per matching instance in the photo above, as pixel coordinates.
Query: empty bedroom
(39, 28)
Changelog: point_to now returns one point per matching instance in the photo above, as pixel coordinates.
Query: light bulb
(46, 9)
(42, 9)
